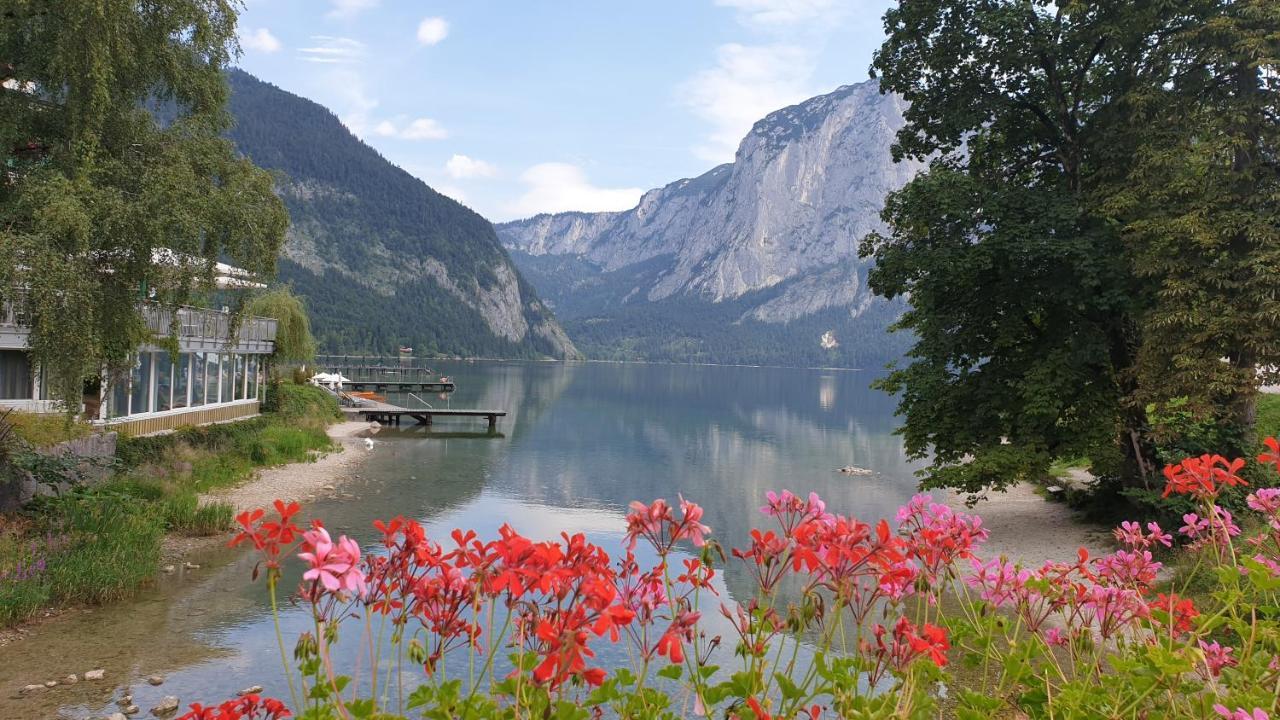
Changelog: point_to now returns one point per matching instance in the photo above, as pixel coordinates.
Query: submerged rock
(156, 680)
(95, 674)
(167, 706)
(71, 679)
(131, 710)
(28, 689)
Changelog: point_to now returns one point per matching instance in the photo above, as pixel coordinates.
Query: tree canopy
(95, 191)
(1096, 234)
(294, 342)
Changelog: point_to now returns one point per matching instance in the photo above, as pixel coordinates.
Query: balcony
(198, 328)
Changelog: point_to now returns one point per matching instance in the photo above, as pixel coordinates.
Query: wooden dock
(400, 386)
(391, 415)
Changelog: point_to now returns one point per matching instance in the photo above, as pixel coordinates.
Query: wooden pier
(391, 415)
(400, 386)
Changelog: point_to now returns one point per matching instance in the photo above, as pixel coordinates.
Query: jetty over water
(389, 414)
(392, 415)
(431, 386)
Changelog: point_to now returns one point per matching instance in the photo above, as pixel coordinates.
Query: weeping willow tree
(294, 342)
(94, 190)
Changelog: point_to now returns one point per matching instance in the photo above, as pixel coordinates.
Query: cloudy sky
(516, 107)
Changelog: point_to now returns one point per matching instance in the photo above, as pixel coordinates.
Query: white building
(213, 377)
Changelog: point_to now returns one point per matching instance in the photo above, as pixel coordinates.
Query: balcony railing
(195, 325)
(210, 326)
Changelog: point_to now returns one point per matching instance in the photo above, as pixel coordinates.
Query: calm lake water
(580, 441)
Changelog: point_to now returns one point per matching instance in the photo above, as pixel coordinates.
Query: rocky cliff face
(776, 231)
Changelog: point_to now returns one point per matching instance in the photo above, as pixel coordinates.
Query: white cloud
(419, 129)
(332, 50)
(424, 129)
(432, 30)
(260, 40)
(462, 167)
(747, 83)
(345, 9)
(557, 187)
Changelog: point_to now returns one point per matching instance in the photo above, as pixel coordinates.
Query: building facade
(218, 373)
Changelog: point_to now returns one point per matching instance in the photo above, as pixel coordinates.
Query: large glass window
(225, 395)
(240, 376)
(251, 391)
(140, 382)
(181, 380)
(164, 380)
(15, 375)
(197, 379)
(118, 397)
(211, 377)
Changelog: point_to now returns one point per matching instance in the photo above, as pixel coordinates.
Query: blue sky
(516, 107)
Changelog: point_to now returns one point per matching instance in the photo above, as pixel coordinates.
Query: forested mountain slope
(381, 258)
(754, 261)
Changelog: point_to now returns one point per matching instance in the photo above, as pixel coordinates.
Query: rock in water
(28, 689)
(251, 690)
(166, 707)
(131, 710)
(71, 679)
(156, 680)
(855, 470)
(95, 674)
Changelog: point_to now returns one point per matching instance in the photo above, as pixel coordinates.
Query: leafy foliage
(95, 192)
(1096, 230)
(293, 342)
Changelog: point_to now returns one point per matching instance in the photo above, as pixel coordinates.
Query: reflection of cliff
(720, 436)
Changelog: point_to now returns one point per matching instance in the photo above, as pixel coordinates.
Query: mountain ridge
(779, 224)
(381, 258)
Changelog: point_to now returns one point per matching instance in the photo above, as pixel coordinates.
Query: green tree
(294, 342)
(100, 207)
(1087, 239)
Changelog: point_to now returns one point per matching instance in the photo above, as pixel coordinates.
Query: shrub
(42, 430)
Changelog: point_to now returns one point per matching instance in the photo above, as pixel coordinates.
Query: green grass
(1268, 422)
(42, 430)
(108, 537)
(184, 513)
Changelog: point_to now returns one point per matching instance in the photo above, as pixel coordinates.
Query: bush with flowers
(849, 619)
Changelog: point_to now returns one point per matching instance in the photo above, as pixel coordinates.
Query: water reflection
(580, 441)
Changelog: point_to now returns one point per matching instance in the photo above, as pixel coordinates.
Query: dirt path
(1029, 529)
(302, 481)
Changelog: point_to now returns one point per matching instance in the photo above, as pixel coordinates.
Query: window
(225, 394)
(15, 375)
(140, 382)
(212, 374)
(164, 380)
(197, 379)
(240, 376)
(118, 397)
(181, 380)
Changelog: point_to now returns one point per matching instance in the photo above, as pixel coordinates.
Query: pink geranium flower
(335, 565)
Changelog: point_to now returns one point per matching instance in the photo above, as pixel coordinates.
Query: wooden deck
(392, 415)
(400, 386)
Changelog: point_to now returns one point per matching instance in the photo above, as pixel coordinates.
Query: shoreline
(1030, 529)
(300, 481)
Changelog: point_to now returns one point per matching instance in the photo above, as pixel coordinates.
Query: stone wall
(94, 454)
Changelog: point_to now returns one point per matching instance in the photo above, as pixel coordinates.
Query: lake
(580, 441)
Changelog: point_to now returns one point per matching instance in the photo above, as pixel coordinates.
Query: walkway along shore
(302, 481)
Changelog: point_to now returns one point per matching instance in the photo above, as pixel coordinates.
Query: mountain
(754, 261)
(382, 259)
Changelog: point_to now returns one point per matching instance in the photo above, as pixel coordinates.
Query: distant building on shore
(215, 376)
